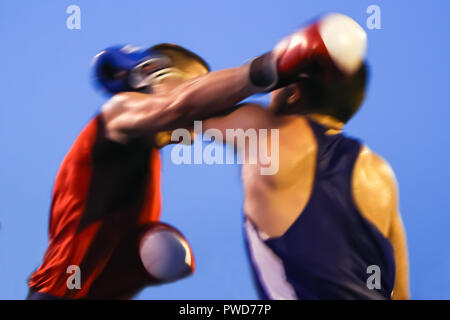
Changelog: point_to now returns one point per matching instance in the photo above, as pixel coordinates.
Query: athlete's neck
(334, 125)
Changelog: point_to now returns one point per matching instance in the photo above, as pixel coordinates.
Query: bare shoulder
(244, 116)
(374, 188)
(374, 165)
(296, 122)
(251, 110)
(121, 102)
(112, 112)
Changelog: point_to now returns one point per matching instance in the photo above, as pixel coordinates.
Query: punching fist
(165, 253)
(333, 46)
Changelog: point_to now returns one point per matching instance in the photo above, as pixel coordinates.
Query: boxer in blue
(326, 225)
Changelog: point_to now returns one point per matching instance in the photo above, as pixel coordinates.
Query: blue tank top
(331, 251)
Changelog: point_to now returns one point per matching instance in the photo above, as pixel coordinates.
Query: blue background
(47, 97)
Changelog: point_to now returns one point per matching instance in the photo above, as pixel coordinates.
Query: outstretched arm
(246, 116)
(132, 114)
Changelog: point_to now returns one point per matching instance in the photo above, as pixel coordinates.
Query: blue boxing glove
(127, 68)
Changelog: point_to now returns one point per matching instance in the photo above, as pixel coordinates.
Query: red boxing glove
(331, 47)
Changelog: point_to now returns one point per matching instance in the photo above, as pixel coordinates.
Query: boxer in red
(104, 219)
(106, 241)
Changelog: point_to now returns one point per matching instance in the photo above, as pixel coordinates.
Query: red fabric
(68, 245)
(305, 49)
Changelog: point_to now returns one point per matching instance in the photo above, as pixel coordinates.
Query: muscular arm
(133, 114)
(246, 116)
(376, 195)
(397, 237)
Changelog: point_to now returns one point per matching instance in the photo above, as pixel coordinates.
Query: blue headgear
(127, 68)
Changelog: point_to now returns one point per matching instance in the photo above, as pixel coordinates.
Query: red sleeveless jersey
(102, 192)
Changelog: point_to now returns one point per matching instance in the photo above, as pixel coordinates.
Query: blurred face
(166, 82)
(286, 100)
(163, 85)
